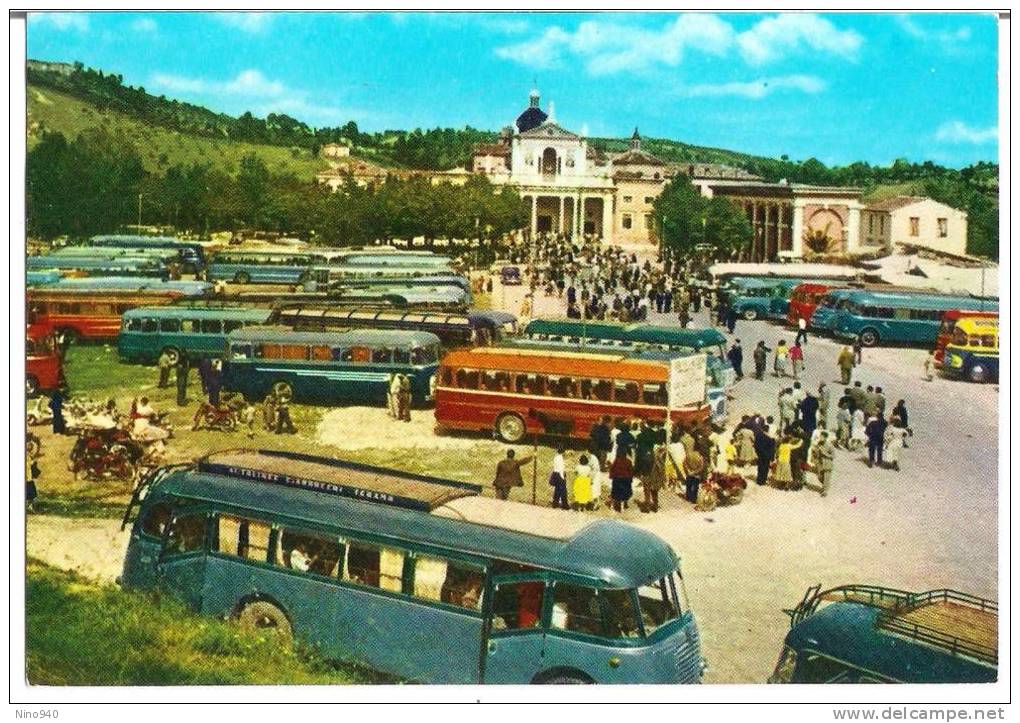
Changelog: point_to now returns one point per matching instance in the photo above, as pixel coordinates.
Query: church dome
(533, 116)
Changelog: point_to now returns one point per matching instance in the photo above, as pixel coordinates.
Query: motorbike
(222, 417)
(101, 453)
(720, 489)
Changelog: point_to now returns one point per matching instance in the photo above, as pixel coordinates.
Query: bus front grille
(688, 657)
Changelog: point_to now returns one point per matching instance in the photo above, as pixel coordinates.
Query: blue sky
(839, 87)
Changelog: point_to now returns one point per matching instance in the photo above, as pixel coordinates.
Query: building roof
(531, 118)
(894, 203)
(549, 129)
(637, 157)
(785, 190)
(491, 149)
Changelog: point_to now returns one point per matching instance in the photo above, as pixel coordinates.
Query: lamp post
(139, 212)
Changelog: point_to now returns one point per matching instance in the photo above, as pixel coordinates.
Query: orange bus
(520, 391)
(805, 297)
(949, 319)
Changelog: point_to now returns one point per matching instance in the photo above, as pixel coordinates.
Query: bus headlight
(955, 360)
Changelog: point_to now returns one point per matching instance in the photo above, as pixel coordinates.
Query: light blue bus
(395, 276)
(149, 331)
(414, 576)
(190, 253)
(759, 298)
(335, 258)
(99, 266)
(824, 314)
(875, 317)
(265, 266)
(329, 368)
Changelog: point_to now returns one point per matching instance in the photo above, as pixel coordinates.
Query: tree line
(95, 184)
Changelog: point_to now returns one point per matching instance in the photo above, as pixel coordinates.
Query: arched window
(549, 161)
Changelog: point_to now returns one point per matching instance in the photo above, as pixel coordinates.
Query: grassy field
(158, 147)
(84, 633)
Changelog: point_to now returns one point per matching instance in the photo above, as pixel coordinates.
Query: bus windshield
(661, 601)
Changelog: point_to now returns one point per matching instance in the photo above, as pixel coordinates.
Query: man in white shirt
(801, 332)
(558, 480)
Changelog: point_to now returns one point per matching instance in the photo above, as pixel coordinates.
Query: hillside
(159, 147)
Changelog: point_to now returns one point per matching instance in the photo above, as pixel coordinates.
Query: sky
(837, 87)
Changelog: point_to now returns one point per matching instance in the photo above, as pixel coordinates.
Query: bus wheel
(565, 679)
(173, 353)
(510, 427)
(750, 313)
(868, 337)
(978, 373)
(31, 386)
(260, 615)
(241, 277)
(283, 389)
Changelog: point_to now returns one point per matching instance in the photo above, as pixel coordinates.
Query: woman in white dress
(894, 443)
(857, 425)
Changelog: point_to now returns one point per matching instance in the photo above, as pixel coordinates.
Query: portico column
(580, 215)
(534, 214)
(798, 228)
(853, 228)
(607, 220)
(563, 209)
(759, 236)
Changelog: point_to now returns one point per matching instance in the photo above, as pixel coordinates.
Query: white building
(914, 221)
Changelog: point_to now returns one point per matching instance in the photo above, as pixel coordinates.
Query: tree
(252, 188)
(680, 209)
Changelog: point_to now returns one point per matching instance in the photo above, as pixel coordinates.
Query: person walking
(392, 394)
(508, 474)
(621, 472)
(404, 398)
(602, 440)
(736, 358)
(875, 432)
(895, 441)
(761, 356)
(880, 400)
(801, 331)
(582, 486)
(900, 412)
(56, 405)
(182, 380)
(824, 404)
(283, 421)
(858, 425)
(808, 409)
(929, 367)
(558, 480)
(844, 419)
(779, 360)
(787, 409)
(214, 382)
(166, 363)
(824, 454)
(765, 452)
(731, 319)
(653, 481)
(643, 446)
(846, 363)
(870, 402)
(797, 359)
(694, 470)
(858, 351)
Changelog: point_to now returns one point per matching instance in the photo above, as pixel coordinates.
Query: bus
(190, 253)
(265, 266)
(395, 276)
(872, 634)
(949, 319)
(752, 298)
(804, 299)
(517, 392)
(899, 318)
(147, 332)
(42, 278)
(471, 328)
(973, 351)
(114, 252)
(43, 363)
(345, 258)
(99, 266)
(384, 568)
(92, 308)
(329, 368)
(616, 335)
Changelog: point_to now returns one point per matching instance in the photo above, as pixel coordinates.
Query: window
(150, 326)
(401, 356)
(133, 324)
(626, 392)
(517, 605)
(627, 221)
(310, 552)
(156, 519)
(943, 227)
(453, 583)
(229, 326)
(359, 354)
(648, 221)
(467, 378)
(618, 606)
(446, 377)
(240, 351)
(248, 539)
(628, 199)
(816, 668)
(576, 608)
(649, 200)
(915, 226)
(871, 223)
(653, 394)
(658, 604)
(382, 356)
(381, 567)
(881, 224)
(296, 352)
(602, 390)
(321, 353)
(171, 325)
(187, 533)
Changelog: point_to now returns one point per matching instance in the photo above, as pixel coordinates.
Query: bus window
(360, 354)
(187, 533)
(658, 604)
(401, 356)
(626, 392)
(170, 325)
(467, 378)
(517, 605)
(653, 394)
(576, 608)
(817, 668)
(618, 607)
(450, 582)
(496, 381)
(321, 353)
(156, 519)
(103, 309)
(990, 340)
(337, 353)
(132, 324)
(248, 539)
(266, 351)
(446, 377)
(296, 352)
(586, 385)
(424, 355)
(310, 552)
(381, 567)
(189, 326)
(240, 351)
(229, 326)
(382, 356)
(960, 337)
(150, 326)
(603, 390)
(212, 326)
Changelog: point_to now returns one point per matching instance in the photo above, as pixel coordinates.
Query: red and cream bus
(93, 310)
(949, 319)
(805, 297)
(520, 391)
(43, 368)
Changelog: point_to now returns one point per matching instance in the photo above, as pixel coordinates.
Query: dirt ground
(934, 524)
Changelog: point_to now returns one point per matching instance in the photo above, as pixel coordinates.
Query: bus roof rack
(957, 622)
(338, 477)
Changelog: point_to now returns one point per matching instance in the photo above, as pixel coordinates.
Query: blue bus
(265, 266)
(98, 266)
(876, 317)
(149, 331)
(343, 258)
(759, 298)
(191, 253)
(418, 577)
(42, 278)
(329, 368)
(872, 634)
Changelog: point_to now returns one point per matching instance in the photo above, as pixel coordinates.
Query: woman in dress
(895, 435)
(621, 472)
(743, 440)
(857, 425)
(783, 476)
(582, 484)
(782, 353)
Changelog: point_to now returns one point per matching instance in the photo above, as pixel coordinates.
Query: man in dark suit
(508, 474)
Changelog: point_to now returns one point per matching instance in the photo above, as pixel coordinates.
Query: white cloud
(251, 83)
(144, 25)
(758, 88)
(774, 37)
(943, 37)
(253, 23)
(61, 21)
(610, 48)
(959, 132)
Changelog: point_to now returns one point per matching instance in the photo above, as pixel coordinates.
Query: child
(582, 485)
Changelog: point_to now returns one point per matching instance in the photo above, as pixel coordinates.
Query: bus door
(181, 567)
(513, 634)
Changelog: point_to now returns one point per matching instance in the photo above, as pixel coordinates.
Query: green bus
(148, 331)
(872, 634)
(414, 576)
(329, 367)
